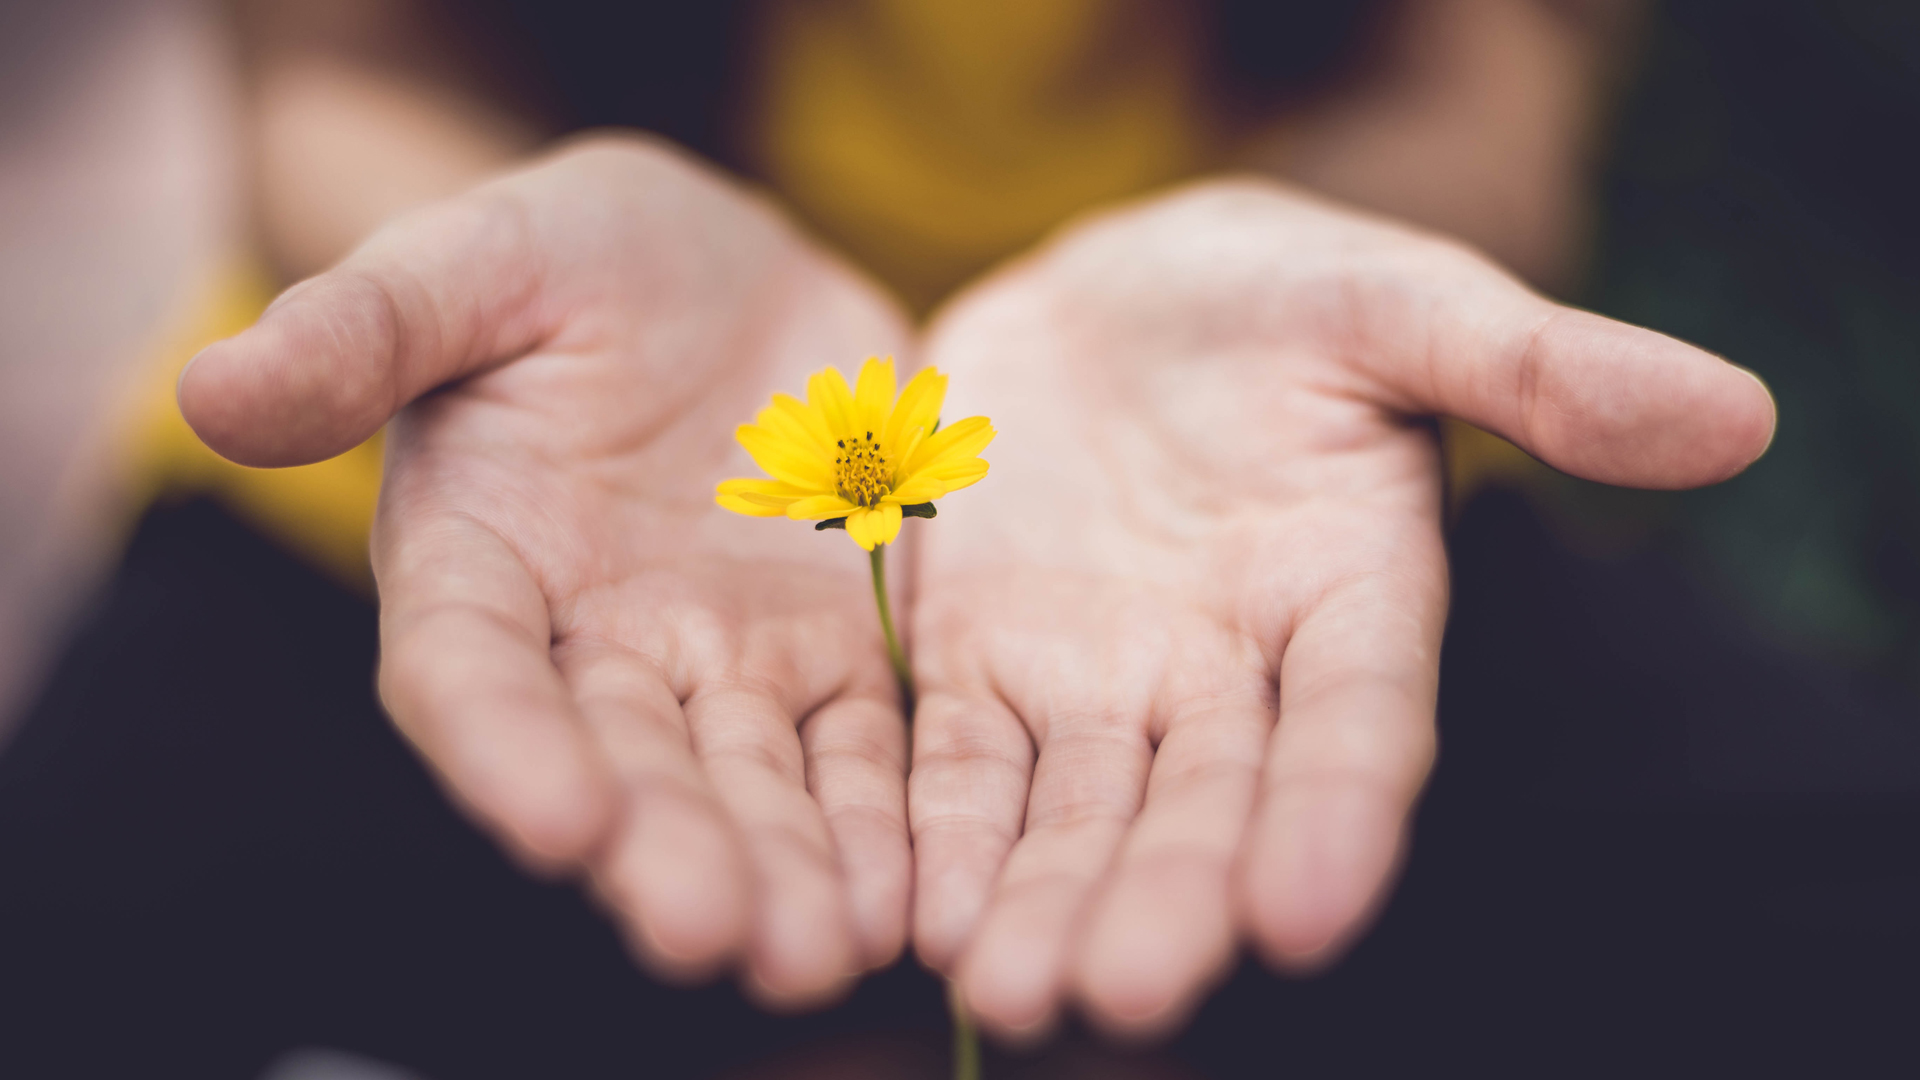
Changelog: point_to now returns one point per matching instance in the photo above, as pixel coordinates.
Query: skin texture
(690, 709)
(1178, 656)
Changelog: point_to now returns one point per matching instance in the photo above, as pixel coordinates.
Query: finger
(674, 869)
(1347, 761)
(966, 800)
(1162, 928)
(466, 674)
(801, 948)
(438, 294)
(1450, 333)
(856, 753)
(1087, 785)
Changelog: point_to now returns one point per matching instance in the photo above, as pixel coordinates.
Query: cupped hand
(616, 676)
(1178, 657)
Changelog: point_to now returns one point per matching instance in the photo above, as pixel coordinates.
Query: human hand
(611, 673)
(1177, 662)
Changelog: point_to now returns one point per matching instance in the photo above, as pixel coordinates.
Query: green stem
(895, 653)
(966, 1043)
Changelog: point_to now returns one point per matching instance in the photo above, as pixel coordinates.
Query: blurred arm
(1475, 118)
(360, 110)
(115, 180)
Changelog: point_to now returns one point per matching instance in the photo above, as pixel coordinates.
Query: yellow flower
(858, 454)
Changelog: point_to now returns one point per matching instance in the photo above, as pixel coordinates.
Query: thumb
(439, 294)
(1588, 395)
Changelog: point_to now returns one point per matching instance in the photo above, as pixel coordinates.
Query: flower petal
(859, 521)
(740, 506)
(796, 420)
(960, 440)
(763, 492)
(756, 498)
(883, 523)
(923, 487)
(784, 459)
(811, 416)
(827, 391)
(820, 508)
(873, 396)
(903, 453)
(954, 474)
(918, 407)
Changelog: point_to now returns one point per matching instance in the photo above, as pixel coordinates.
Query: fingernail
(1772, 402)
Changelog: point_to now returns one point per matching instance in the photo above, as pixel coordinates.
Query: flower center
(861, 472)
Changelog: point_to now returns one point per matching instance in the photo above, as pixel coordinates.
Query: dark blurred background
(1676, 824)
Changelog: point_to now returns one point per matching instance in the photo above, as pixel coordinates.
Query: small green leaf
(920, 510)
(935, 429)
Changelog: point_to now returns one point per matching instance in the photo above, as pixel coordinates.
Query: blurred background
(1676, 824)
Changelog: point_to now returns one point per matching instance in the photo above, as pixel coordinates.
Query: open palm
(613, 673)
(1178, 659)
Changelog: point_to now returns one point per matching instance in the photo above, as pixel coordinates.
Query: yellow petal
(794, 419)
(883, 523)
(796, 463)
(960, 440)
(741, 506)
(756, 498)
(922, 488)
(768, 493)
(827, 391)
(918, 407)
(955, 474)
(902, 454)
(873, 397)
(819, 508)
(858, 523)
